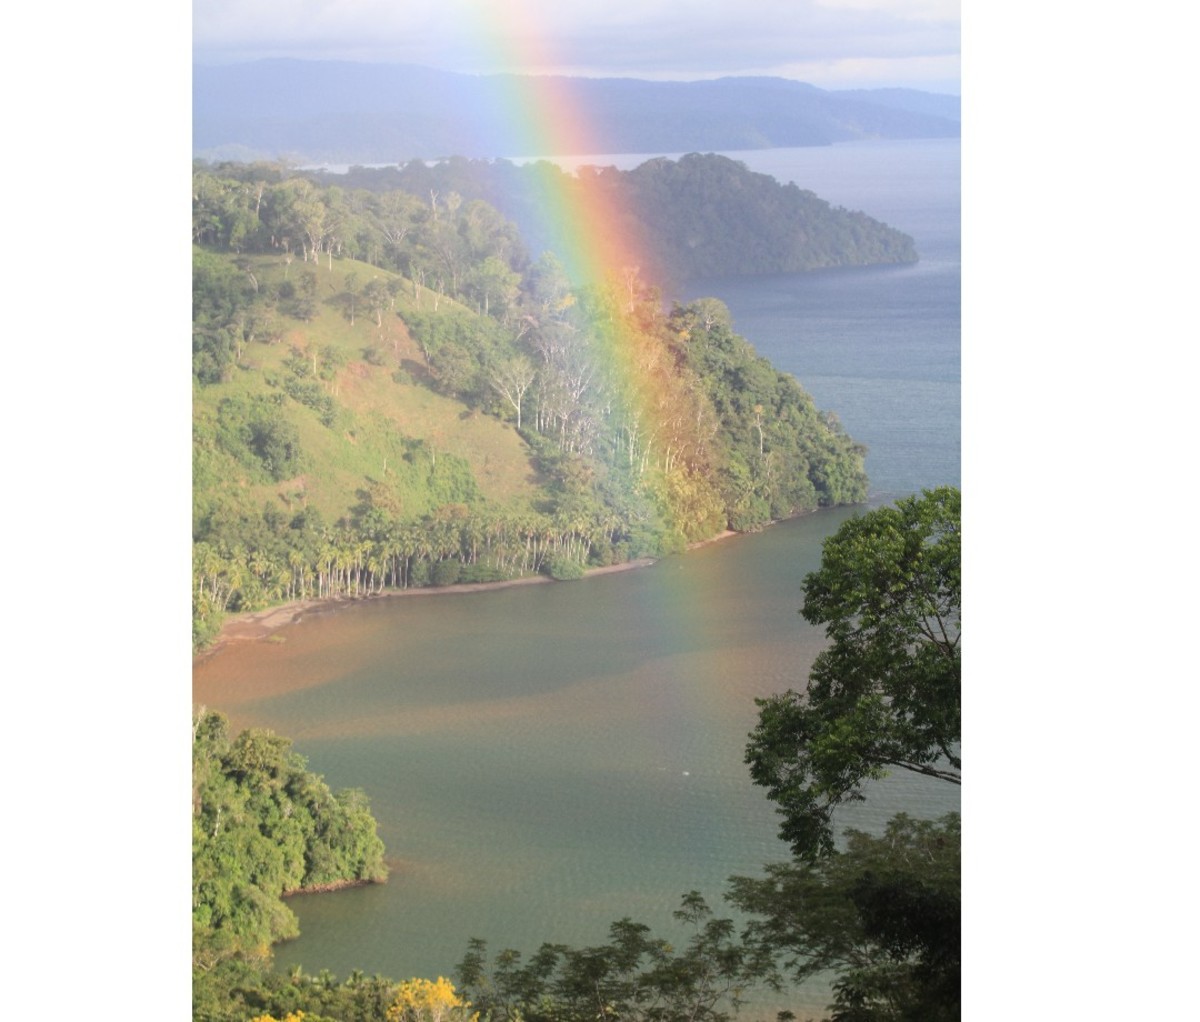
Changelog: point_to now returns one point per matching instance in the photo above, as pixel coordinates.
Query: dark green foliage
(276, 443)
(709, 216)
(884, 912)
(303, 299)
(257, 433)
(698, 216)
(634, 976)
(784, 456)
(236, 990)
(311, 394)
(888, 690)
(456, 371)
(220, 296)
(884, 915)
(262, 825)
(460, 348)
(562, 569)
(479, 572)
(445, 573)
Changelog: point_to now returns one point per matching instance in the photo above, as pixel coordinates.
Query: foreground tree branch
(887, 690)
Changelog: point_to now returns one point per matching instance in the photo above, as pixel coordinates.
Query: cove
(546, 759)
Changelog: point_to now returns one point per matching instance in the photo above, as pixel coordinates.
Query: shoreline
(257, 625)
(333, 885)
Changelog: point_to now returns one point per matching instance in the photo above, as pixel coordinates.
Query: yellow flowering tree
(423, 1000)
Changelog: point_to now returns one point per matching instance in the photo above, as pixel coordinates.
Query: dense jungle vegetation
(703, 215)
(389, 392)
(264, 826)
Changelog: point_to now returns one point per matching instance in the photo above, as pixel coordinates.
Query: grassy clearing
(382, 394)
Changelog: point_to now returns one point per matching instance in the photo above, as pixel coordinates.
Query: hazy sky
(830, 43)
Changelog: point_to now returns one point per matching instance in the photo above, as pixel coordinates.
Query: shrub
(562, 569)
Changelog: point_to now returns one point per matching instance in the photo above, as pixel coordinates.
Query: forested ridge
(390, 392)
(702, 215)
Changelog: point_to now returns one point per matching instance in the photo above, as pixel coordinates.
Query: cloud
(909, 10)
(637, 38)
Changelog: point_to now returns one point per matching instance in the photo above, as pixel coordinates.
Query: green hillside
(357, 419)
(390, 393)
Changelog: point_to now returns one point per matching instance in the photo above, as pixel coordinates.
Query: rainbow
(598, 243)
(543, 116)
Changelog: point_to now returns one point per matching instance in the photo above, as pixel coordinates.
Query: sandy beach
(258, 625)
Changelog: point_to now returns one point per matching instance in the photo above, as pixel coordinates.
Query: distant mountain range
(342, 112)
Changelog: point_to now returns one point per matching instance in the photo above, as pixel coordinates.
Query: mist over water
(547, 759)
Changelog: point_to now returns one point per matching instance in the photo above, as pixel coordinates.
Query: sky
(833, 44)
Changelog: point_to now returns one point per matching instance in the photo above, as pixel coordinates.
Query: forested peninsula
(390, 392)
(263, 826)
(703, 215)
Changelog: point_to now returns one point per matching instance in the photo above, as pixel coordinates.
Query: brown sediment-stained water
(256, 625)
(274, 625)
(544, 759)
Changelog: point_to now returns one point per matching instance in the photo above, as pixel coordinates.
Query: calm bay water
(880, 346)
(546, 759)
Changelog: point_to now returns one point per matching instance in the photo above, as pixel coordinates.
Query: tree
(884, 912)
(884, 915)
(511, 378)
(494, 286)
(263, 825)
(423, 1000)
(220, 298)
(276, 442)
(887, 691)
(304, 305)
(349, 295)
(634, 977)
(378, 298)
(455, 370)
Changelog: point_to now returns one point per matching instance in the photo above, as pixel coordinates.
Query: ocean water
(881, 347)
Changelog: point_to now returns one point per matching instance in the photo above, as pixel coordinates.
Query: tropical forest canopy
(698, 216)
(264, 826)
(390, 392)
